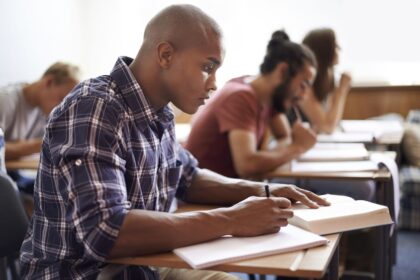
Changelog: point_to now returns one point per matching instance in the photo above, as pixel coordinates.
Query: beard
(280, 95)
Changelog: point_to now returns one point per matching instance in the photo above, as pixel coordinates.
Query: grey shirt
(18, 119)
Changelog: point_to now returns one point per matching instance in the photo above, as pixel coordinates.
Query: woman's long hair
(323, 44)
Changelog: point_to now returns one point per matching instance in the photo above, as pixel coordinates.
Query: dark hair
(323, 44)
(281, 49)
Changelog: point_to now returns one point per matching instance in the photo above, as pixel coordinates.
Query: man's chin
(190, 111)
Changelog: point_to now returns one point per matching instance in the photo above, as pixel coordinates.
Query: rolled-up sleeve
(92, 175)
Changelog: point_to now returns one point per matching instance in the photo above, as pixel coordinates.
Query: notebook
(335, 152)
(231, 249)
(333, 166)
(379, 128)
(346, 137)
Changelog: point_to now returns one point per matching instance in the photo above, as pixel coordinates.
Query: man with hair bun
(227, 134)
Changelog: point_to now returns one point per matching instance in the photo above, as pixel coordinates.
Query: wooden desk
(385, 245)
(22, 164)
(314, 262)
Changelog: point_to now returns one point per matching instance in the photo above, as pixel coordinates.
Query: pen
(297, 114)
(267, 191)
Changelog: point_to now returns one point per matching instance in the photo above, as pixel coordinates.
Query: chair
(13, 225)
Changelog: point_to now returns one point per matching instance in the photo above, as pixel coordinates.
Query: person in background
(227, 134)
(110, 165)
(24, 109)
(323, 106)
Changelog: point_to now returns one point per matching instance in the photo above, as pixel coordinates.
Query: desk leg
(392, 230)
(333, 267)
(383, 244)
(381, 241)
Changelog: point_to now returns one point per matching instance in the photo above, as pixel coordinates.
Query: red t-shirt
(235, 106)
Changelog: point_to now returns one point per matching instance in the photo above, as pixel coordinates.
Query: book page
(339, 146)
(345, 137)
(339, 209)
(332, 198)
(335, 152)
(333, 166)
(343, 214)
(377, 127)
(229, 249)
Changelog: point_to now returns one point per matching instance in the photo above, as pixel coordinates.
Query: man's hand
(256, 216)
(295, 194)
(17, 149)
(304, 138)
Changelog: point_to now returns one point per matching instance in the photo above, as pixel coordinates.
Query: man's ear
(165, 53)
(282, 72)
(48, 80)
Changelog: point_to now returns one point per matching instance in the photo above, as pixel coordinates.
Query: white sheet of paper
(334, 166)
(230, 249)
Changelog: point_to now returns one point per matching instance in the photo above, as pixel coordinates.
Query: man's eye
(209, 68)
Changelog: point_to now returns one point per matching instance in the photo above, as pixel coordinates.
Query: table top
(382, 174)
(22, 164)
(379, 175)
(303, 263)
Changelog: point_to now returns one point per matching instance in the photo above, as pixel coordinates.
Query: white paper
(345, 137)
(334, 166)
(230, 249)
(335, 152)
(379, 128)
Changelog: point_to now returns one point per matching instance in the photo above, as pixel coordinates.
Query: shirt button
(78, 162)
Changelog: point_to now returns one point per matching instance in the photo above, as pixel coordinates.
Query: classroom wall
(378, 37)
(373, 101)
(35, 34)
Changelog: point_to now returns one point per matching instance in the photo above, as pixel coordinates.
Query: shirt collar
(134, 96)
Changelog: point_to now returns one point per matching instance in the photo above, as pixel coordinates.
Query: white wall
(35, 34)
(379, 38)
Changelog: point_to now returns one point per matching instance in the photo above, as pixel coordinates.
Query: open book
(379, 128)
(346, 137)
(333, 166)
(343, 214)
(336, 152)
(230, 249)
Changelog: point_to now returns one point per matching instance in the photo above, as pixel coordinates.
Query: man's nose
(211, 83)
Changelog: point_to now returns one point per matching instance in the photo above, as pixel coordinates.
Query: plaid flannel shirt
(105, 151)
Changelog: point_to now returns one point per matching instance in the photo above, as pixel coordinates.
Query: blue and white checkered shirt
(105, 151)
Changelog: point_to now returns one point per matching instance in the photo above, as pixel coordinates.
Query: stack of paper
(334, 166)
(230, 249)
(379, 128)
(346, 137)
(335, 152)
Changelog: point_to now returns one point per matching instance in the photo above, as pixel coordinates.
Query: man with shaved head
(110, 166)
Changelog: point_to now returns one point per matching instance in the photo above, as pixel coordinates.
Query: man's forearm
(18, 149)
(209, 187)
(147, 232)
(262, 162)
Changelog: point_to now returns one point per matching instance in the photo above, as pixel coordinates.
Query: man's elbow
(327, 128)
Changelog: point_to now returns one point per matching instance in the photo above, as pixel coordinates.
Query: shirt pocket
(173, 175)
